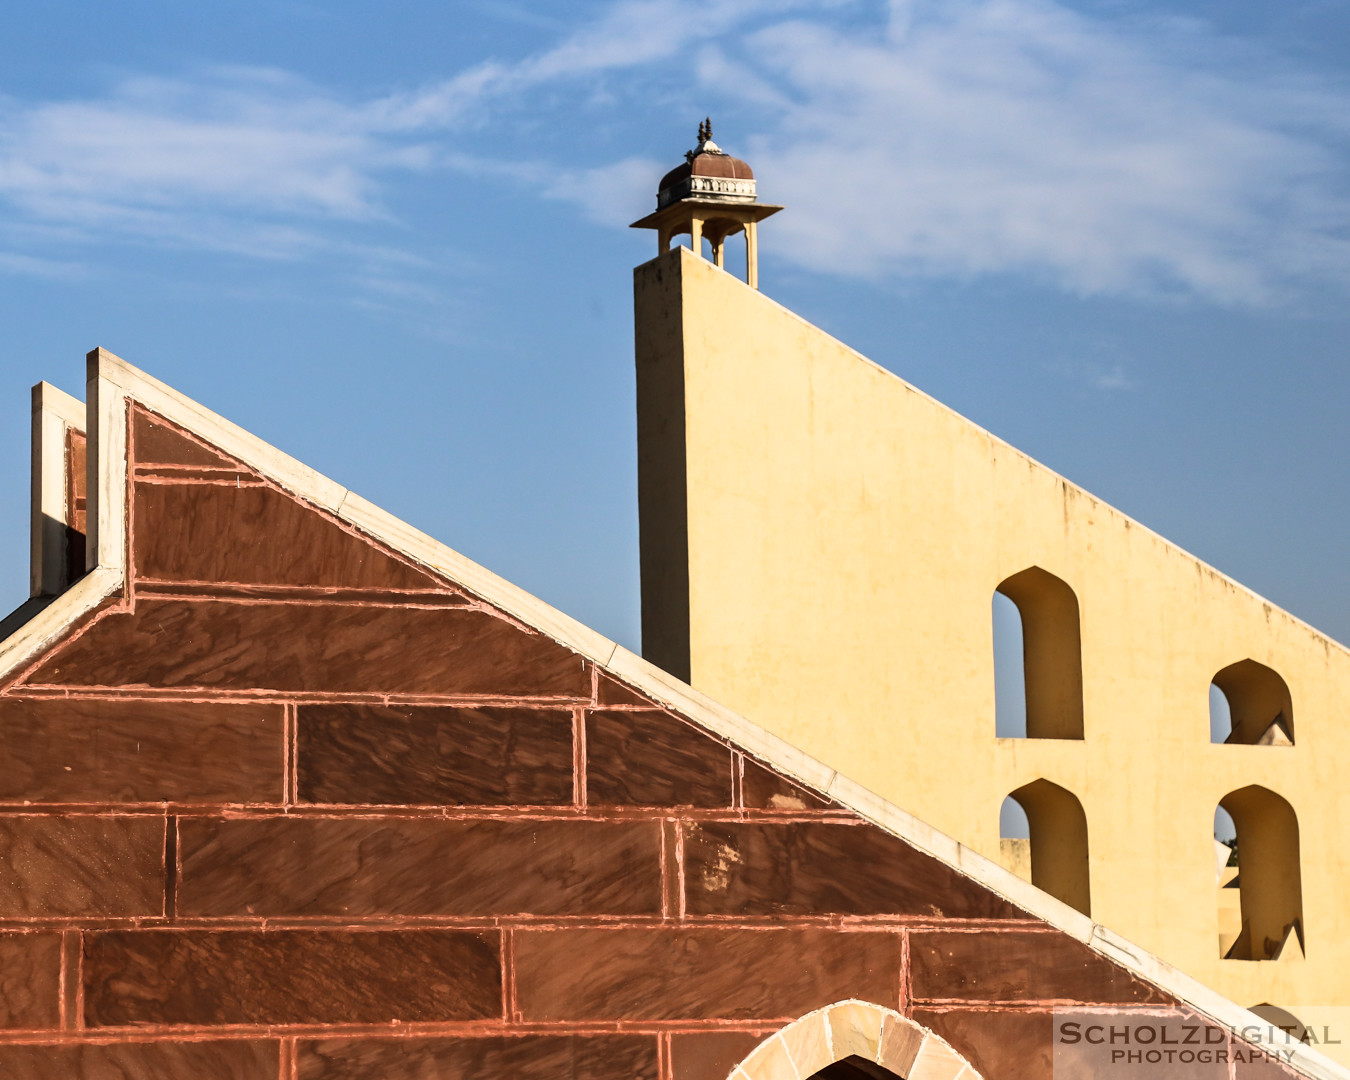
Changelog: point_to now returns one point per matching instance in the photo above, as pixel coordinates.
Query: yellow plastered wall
(821, 543)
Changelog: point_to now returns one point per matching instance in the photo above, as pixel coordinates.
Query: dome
(708, 173)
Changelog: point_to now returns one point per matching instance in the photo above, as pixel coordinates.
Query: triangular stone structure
(293, 791)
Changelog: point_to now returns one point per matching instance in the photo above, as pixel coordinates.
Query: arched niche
(1269, 876)
(1058, 835)
(853, 1040)
(1052, 653)
(1260, 707)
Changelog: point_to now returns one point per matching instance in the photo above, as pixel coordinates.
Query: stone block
(290, 976)
(612, 692)
(812, 868)
(218, 645)
(80, 865)
(30, 979)
(770, 1061)
(421, 754)
(762, 789)
(709, 1055)
(1017, 965)
(1015, 1044)
(361, 867)
(901, 1041)
(224, 533)
(158, 442)
(220, 1059)
(807, 1042)
(654, 759)
(521, 1057)
(936, 1061)
(82, 750)
(855, 1030)
(703, 973)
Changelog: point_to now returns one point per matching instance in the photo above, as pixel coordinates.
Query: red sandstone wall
(294, 809)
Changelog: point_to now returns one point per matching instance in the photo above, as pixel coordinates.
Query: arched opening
(1050, 663)
(1250, 703)
(1014, 838)
(855, 1040)
(1268, 878)
(1010, 681)
(1056, 850)
(708, 236)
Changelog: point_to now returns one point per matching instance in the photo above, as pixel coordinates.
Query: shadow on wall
(1284, 1020)
(1265, 919)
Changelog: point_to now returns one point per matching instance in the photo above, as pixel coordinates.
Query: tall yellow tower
(821, 547)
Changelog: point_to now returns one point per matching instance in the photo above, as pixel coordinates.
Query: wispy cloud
(251, 160)
(240, 160)
(950, 138)
(630, 34)
(602, 192)
(958, 138)
(1018, 136)
(30, 266)
(1114, 379)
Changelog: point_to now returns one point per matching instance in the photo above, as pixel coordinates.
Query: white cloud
(960, 138)
(1016, 136)
(629, 34)
(1115, 379)
(12, 262)
(608, 194)
(244, 161)
(950, 138)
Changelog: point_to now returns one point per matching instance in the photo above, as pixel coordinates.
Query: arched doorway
(853, 1040)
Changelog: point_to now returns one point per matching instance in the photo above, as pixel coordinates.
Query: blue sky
(392, 240)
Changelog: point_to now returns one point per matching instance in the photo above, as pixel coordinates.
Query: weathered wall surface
(844, 536)
(294, 809)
